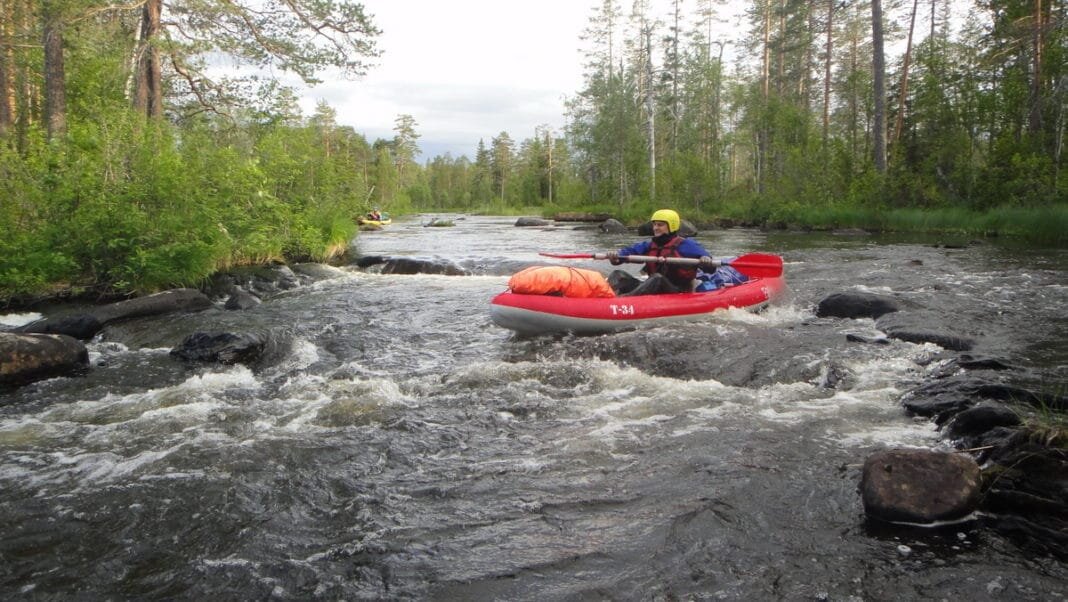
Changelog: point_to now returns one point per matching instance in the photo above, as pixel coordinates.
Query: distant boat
(367, 220)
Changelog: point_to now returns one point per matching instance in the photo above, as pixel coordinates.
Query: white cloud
(465, 70)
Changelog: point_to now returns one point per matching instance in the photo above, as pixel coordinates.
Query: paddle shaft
(635, 258)
(752, 264)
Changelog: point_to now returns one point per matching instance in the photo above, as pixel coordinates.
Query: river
(395, 444)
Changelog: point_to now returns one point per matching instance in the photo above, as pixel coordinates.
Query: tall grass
(1040, 225)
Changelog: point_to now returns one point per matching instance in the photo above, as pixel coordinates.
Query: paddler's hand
(613, 258)
(707, 262)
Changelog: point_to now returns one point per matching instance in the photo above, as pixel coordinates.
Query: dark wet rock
(404, 265)
(686, 229)
(978, 385)
(1047, 535)
(972, 422)
(984, 443)
(612, 226)
(855, 304)
(176, 300)
(369, 260)
(919, 486)
(1027, 492)
(241, 299)
(968, 362)
(25, 358)
(314, 272)
(856, 338)
(1025, 466)
(914, 329)
(940, 406)
(221, 347)
(85, 326)
(79, 326)
(262, 281)
(576, 216)
(527, 222)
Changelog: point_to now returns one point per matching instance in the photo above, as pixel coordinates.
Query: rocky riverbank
(1010, 470)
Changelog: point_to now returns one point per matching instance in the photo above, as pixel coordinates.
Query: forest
(148, 144)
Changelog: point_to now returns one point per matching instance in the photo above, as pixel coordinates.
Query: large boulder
(919, 486)
(855, 304)
(612, 226)
(527, 222)
(79, 326)
(25, 358)
(175, 300)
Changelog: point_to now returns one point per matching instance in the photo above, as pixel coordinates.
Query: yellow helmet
(669, 216)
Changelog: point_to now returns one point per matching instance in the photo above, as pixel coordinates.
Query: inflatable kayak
(363, 221)
(543, 314)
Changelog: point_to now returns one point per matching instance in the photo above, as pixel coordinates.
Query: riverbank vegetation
(130, 164)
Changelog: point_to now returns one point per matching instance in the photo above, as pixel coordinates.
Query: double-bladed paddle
(754, 265)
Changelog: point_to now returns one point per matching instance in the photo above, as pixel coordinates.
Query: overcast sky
(470, 69)
(465, 70)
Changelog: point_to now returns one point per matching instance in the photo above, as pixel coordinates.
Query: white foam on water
(302, 354)
(514, 465)
(21, 319)
(626, 429)
(197, 396)
(308, 401)
(904, 434)
(773, 316)
(873, 289)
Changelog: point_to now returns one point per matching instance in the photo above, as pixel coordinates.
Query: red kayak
(544, 314)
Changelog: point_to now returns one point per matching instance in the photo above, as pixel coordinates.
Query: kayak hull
(546, 314)
(374, 222)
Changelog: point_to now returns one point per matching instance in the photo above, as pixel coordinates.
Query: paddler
(670, 277)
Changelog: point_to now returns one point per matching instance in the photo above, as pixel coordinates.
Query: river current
(395, 444)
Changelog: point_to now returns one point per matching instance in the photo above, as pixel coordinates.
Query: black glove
(613, 258)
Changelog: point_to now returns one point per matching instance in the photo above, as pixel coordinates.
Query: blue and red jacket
(680, 275)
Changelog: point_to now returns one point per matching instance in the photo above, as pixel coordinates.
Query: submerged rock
(222, 347)
(404, 265)
(242, 299)
(914, 329)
